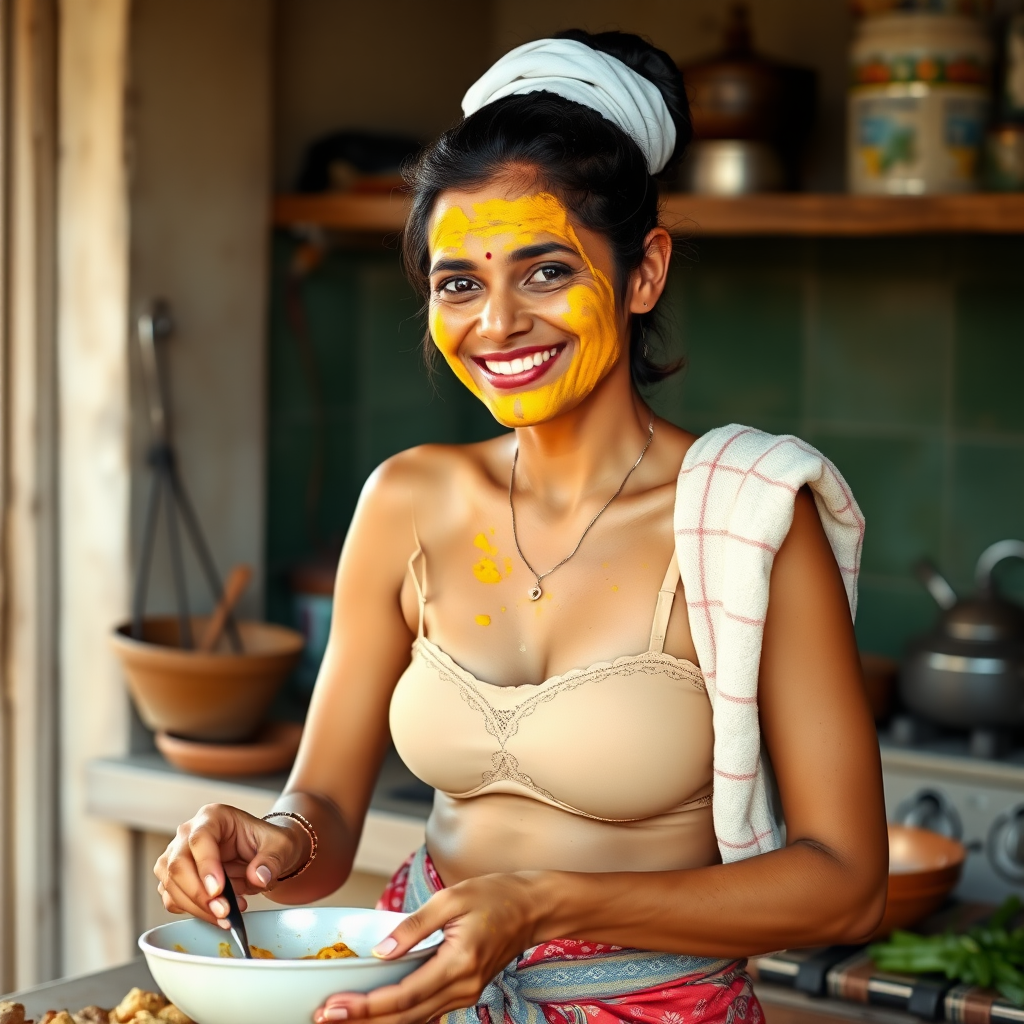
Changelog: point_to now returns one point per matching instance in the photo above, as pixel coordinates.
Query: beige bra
(623, 741)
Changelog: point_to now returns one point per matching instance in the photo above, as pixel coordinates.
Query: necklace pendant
(535, 592)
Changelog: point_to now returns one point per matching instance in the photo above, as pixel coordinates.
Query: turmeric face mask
(518, 309)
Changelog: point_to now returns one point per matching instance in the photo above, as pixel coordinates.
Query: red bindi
(488, 255)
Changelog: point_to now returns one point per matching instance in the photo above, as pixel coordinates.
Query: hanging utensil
(156, 326)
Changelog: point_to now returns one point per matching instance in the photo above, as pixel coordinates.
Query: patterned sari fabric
(571, 981)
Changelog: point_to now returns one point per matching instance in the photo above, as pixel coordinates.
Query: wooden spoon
(238, 580)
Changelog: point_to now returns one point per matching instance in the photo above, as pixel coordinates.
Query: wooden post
(29, 950)
(92, 341)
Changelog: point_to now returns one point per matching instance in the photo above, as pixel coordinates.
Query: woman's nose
(502, 317)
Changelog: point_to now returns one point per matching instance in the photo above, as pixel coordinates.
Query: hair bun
(653, 64)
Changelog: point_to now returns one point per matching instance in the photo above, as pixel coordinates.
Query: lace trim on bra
(503, 724)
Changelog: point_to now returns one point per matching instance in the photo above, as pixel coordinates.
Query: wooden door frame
(29, 874)
(65, 878)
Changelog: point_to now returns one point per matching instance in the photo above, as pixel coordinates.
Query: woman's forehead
(495, 214)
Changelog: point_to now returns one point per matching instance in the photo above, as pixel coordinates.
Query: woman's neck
(582, 455)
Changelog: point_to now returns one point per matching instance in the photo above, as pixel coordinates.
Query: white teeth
(517, 365)
(499, 368)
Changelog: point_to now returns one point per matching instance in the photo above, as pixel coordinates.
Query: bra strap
(421, 588)
(663, 610)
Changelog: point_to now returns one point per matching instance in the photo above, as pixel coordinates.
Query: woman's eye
(457, 286)
(550, 273)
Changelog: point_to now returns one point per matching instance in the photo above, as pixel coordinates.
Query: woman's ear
(648, 280)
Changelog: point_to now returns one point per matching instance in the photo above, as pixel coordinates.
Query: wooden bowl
(221, 696)
(272, 750)
(924, 868)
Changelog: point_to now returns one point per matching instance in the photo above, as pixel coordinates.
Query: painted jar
(919, 104)
(312, 587)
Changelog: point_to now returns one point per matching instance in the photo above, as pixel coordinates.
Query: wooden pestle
(238, 579)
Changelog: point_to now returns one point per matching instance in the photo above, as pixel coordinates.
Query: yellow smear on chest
(486, 571)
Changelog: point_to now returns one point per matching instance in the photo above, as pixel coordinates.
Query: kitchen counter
(145, 793)
(106, 988)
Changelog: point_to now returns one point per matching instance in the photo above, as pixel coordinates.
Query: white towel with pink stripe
(734, 506)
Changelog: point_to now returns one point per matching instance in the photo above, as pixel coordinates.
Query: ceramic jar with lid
(919, 104)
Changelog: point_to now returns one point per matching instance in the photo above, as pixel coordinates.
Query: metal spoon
(235, 920)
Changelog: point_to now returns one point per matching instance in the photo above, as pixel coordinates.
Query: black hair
(594, 167)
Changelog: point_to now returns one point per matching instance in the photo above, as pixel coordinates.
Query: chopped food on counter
(12, 1013)
(136, 1000)
(138, 1007)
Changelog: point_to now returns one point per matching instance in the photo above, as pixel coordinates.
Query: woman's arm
(345, 736)
(826, 886)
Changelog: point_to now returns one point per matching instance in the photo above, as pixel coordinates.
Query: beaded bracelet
(307, 828)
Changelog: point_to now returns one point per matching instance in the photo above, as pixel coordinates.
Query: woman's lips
(516, 369)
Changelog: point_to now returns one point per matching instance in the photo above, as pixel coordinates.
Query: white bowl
(184, 959)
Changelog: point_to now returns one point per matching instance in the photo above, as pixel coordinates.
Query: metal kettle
(968, 673)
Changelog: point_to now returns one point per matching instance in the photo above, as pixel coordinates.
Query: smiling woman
(594, 742)
(573, 337)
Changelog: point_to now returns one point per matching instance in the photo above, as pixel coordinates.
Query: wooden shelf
(690, 215)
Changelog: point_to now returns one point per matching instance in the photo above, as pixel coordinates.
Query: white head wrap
(597, 80)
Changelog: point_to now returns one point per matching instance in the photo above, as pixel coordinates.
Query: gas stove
(967, 788)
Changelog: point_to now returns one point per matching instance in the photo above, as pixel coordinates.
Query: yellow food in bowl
(339, 951)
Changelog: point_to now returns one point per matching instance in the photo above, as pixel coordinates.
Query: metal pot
(740, 96)
(968, 673)
(731, 167)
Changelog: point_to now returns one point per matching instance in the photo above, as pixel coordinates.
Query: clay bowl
(924, 868)
(272, 749)
(221, 696)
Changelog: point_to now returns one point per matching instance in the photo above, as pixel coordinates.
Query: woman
(575, 802)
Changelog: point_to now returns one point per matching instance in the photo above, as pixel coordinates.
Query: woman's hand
(219, 840)
(487, 922)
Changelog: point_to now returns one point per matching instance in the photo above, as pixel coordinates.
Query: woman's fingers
(185, 902)
(435, 988)
(274, 856)
(434, 914)
(207, 833)
(169, 905)
(219, 842)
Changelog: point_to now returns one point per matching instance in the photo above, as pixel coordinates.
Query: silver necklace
(535, 592)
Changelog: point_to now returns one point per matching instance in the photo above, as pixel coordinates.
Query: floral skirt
(570, 981)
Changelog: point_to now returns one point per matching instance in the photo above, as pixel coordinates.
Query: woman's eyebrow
(452, 265)
(531, 252)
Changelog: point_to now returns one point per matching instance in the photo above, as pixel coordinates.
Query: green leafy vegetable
(988, 955)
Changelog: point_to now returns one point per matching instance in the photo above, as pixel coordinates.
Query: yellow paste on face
(482, 620)
(587, 313)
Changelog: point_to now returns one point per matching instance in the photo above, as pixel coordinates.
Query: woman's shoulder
(736, 446)
(430, 472)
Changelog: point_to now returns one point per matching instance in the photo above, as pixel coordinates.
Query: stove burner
(914, 733)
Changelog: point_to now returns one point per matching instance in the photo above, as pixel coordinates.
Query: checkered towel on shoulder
(734, 506)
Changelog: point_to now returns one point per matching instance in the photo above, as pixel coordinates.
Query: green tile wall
(902, 359)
